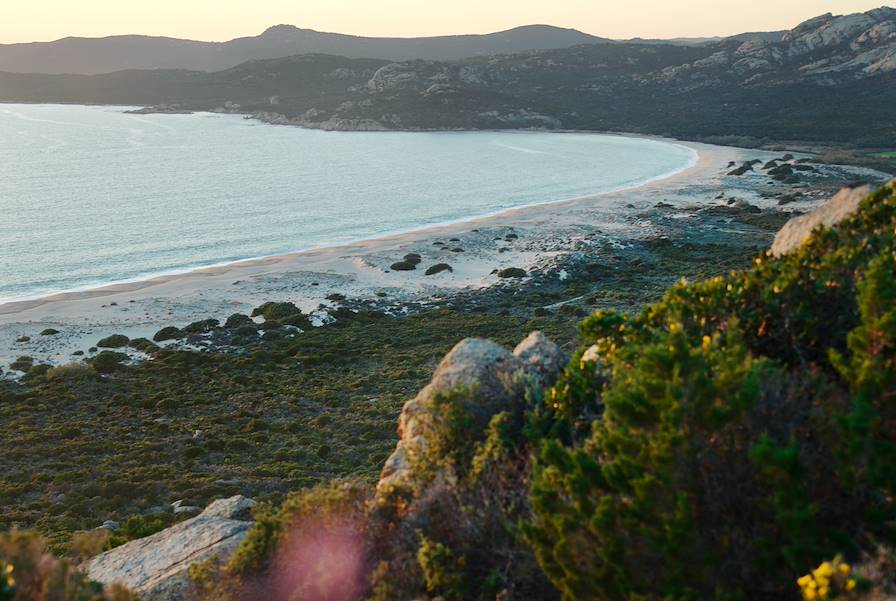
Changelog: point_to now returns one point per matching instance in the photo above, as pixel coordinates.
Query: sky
(217, 20)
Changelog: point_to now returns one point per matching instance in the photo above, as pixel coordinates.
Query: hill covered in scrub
(821, 82)
(722, 443)
(734, 440)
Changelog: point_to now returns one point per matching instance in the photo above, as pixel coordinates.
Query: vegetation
(723, 443)
(746, 428)
(108, 439)
(29, 572)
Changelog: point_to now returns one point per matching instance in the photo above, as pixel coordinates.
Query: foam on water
(91, 196)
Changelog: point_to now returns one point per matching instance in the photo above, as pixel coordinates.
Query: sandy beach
(530, 238)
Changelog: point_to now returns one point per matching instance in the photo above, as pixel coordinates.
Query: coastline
(700, 162)
(533, 237)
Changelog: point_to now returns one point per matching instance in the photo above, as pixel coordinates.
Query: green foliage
(737, 432)
(28, 572)
(442, 572)
(114, 341)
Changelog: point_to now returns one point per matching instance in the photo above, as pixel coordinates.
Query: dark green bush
(107, 362)
(114, 341)
(168, 333)
(731, 436)
(512, 272)
(403, 266)
(439, 268)
(202, 327)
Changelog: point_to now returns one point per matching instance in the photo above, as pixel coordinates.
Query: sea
(92, 195)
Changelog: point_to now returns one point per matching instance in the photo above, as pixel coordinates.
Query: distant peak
(281, 28)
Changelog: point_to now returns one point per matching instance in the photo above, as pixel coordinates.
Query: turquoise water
(90, 195)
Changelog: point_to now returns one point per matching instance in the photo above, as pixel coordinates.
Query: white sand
(360, 270)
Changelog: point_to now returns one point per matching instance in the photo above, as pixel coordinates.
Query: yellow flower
(823, 592)
(850, 584)
(9, 568)
(706, 341)
(804, 581)
(809, 594)
(844, 568)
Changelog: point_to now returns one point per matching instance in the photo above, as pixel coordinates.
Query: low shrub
(114, 341)
(403, 266)
(512, 272)
(168, 333)
(439, 268)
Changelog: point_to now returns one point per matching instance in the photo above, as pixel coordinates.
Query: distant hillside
(117, 53)
(827, 80)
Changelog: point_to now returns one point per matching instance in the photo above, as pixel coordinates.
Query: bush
(107, 362)
(276, 311)
(31, 573)
(403, 266)
(238, 320)
(114, 341)
(168, 333)
(512, 272)
(202, 327)
(70, 372)
(143, 345)
(439, 268)
(738, 432)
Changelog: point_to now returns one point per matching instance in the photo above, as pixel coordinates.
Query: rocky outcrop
(796, 231)
(156, 567)
(495, 379)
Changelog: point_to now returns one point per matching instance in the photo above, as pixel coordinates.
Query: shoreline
(13, 306)
(542, 239)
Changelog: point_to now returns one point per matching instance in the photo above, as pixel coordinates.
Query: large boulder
(541, 357)
(156, 567)
(495, 380)
(796, 231)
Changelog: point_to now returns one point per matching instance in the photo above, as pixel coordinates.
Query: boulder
(495, 380)
(156, 567)
(541, 357)
(796, 231)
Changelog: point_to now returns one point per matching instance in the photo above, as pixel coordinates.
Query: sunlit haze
(27, 20)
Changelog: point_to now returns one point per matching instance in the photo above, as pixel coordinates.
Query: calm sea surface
(90, 195)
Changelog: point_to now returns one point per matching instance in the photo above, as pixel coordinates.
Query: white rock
(156, 567)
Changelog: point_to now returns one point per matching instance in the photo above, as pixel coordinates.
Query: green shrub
(28, 572)
(107, 362)
(202, 327)
(276, 311)
(403, 266)
(732, 435)
(512, 272)
(439, 268)
(114, 341)
(168, 333)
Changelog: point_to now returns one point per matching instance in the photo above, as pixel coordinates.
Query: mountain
(824, 81)
(104, 55)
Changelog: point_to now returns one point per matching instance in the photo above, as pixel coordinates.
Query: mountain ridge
(740, 91)
(93, 56)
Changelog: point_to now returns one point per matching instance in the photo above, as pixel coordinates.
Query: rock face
(796, 231)
(156, 567)
(494, 375)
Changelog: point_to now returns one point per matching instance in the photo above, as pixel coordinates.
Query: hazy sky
(43, 20)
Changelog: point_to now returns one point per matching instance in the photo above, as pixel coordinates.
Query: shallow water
(90, 195)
